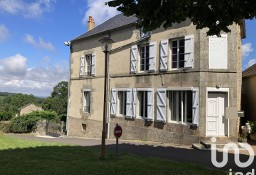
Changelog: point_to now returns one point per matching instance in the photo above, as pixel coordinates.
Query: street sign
(118, 131)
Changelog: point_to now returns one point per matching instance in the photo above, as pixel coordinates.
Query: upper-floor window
(176, 53)
(87, 65)
(144, 58)
(178, 48)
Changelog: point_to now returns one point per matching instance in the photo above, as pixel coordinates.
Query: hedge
(27, 123)
(5, 116)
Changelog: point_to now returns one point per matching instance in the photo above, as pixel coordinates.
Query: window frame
(177, 54)
(181, 116)
(145, 59)
(85, 101)
(124, 99)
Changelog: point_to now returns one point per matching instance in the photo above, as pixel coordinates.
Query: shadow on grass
(85, 160)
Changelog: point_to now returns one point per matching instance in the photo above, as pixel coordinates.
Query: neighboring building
(169, 85)
(249, 93)
(30, 108)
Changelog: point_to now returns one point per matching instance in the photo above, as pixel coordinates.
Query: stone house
(29, 108)
(168, 85)
(249, 93)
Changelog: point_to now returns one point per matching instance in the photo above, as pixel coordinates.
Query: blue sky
(33, 57)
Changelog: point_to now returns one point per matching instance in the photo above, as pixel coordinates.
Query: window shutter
(189, 51)
(129, 103)
(195, 116)
(163, 55)
(152, 56)
(113, 102)
(161, 105)
(134, 102)
(81, 73)
(150, 104)
(134, 55)
(93, 64)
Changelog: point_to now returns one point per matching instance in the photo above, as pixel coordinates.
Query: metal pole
(116, 147)
(103, 139)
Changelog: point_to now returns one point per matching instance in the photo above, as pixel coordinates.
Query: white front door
(216, 124)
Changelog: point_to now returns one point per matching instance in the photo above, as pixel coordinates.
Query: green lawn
(30, 157)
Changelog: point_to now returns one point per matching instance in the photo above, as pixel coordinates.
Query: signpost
(118, 133)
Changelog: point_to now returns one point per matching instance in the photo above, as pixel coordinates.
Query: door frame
(215, 89)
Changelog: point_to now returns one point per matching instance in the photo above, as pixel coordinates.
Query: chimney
(91, 23)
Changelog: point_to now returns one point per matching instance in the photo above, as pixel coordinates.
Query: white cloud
(40, 43)
(28, 9)
(99, 11)
(4, 33)
(251, 62)
(16, 76)
(246, 49)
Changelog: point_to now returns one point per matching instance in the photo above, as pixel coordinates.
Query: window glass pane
(174, 51)
(86, 107)
(174, 44)
(181, 42)
(181, 60)
(146, 104)
(189, 106)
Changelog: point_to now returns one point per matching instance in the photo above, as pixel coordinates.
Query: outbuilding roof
(250, 71)
(113, 23)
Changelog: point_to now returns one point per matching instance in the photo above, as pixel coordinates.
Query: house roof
(250, 71)
(111, 24)
(28, 105)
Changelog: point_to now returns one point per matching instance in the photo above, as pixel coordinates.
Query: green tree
(217, 15)
(58, 100)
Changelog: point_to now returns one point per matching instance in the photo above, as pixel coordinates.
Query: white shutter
(81, 72)
(189, 51)
(150, 105)
(134, 102)
(113, 102)
(129, 103)
(218, 52)
(161, 105)
(152, 56)
(163, 55)
(134, 55)
(93, 64)
(195, 103)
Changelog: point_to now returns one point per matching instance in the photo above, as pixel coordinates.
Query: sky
(33, 57)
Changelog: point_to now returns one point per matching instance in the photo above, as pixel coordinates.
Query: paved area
(181, 153)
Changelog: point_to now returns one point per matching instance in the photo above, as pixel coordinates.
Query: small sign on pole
(118, 133)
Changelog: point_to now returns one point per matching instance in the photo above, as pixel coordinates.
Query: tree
(217, 15)
(58, 100)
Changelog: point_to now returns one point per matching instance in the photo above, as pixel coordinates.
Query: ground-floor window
(143, 103)
(180, 106)
(86, 101)
(122, 95)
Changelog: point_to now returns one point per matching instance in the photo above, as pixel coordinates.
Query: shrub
(27, 123)
(5, 126)
(252, 126)
(5, 116)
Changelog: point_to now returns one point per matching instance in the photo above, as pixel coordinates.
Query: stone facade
(30, 108)
(200, 77)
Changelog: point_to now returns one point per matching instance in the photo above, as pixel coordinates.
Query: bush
(5, 126)
(27, 123)
(5, 116)
(253, 126)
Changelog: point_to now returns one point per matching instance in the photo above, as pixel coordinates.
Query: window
(180, 106)
(143, 103)
(178, 48)
(86, 101)
(87, 65)
(144, 58)
(122, 102)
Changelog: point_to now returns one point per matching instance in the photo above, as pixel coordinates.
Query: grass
(31, 157)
